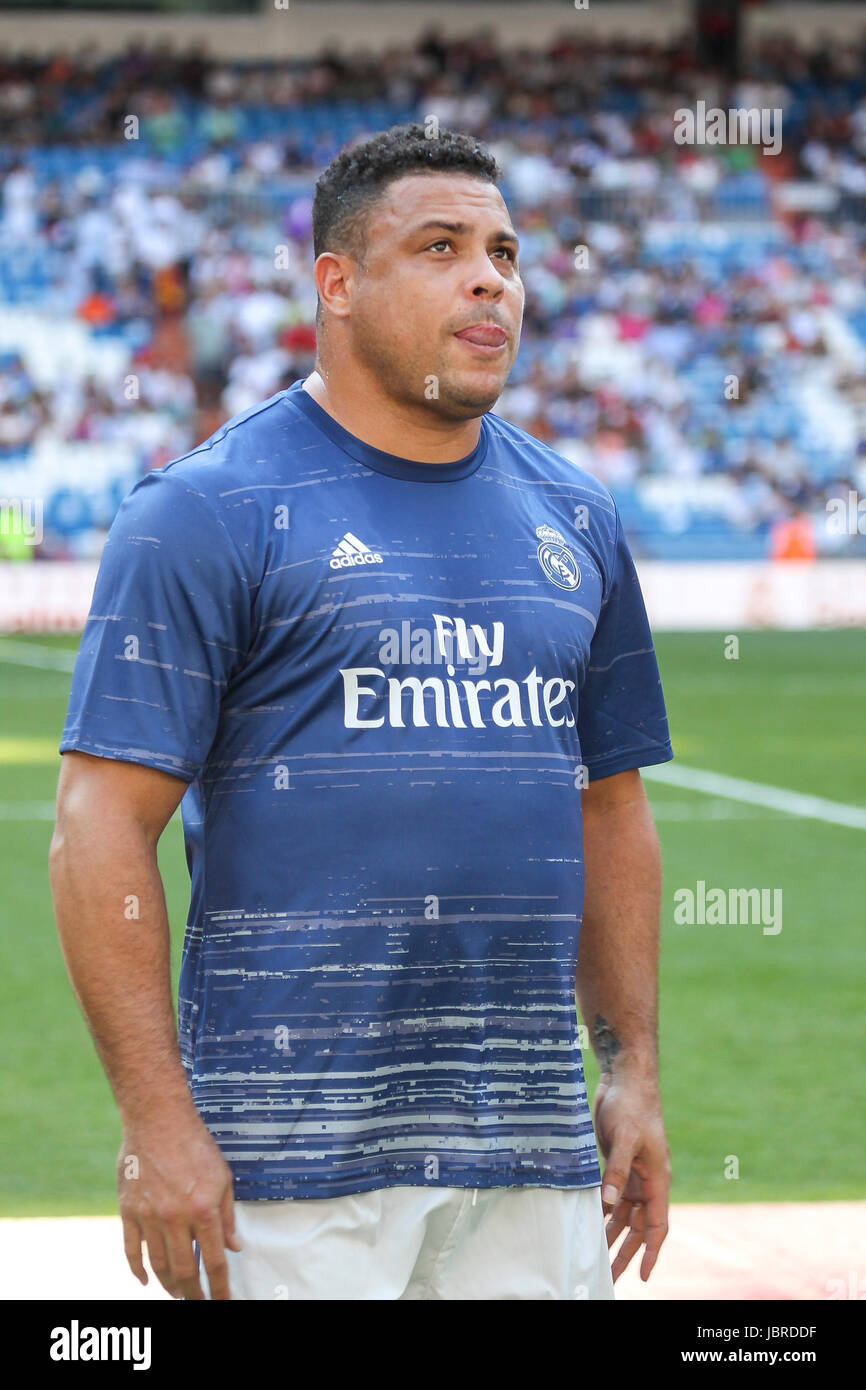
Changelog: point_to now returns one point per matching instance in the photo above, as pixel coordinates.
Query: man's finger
(655, 1238)
(157, 1255)
(632, 1242)
(184, 1270)
(227, 1213)
(132, 1248)
(616, 1174)
(656, 1232)
(617, 1221)
(209, 1234)
(629, 1247)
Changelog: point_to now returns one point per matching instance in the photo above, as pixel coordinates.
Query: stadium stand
(704, 356)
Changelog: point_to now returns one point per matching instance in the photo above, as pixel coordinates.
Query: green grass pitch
(762, 1036)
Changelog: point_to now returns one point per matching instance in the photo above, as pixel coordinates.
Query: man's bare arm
(617, 988)
(174, 1185)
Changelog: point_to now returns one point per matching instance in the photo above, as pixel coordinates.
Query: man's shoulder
(203, 495)
(580, 496)
(546, 463)
(247, 444)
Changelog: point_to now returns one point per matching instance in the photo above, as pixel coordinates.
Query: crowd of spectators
(692, 328)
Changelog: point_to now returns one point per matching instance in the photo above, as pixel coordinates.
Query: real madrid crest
(556, 559)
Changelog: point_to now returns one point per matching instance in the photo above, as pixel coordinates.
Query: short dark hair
(356, 178)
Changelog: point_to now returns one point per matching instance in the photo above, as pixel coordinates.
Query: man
(394, 652)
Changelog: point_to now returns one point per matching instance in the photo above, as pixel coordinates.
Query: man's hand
(175, 1187)
(637, 1174)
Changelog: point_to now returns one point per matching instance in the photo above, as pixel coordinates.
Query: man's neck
(376, 419)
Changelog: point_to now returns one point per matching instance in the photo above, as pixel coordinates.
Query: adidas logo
(351, 551)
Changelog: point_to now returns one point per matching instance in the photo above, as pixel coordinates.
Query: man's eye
(509, 251)
(434, 244)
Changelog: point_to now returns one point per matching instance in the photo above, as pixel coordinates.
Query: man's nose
(486, 279)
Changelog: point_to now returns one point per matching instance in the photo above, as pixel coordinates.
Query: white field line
(32, 654)
(709, 809)
(695, 779)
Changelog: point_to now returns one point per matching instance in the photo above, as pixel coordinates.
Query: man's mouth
(488, 335)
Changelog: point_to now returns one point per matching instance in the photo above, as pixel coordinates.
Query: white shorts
(424, 1243)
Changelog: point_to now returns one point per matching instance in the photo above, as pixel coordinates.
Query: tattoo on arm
(605, 1042)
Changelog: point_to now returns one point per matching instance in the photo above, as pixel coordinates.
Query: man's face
(441, 258)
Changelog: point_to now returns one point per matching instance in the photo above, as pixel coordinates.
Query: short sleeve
(622, 721)
(168, 626)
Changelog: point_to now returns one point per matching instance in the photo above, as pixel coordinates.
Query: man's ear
(335, 275)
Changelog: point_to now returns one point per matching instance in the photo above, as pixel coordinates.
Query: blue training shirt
(385, 683)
